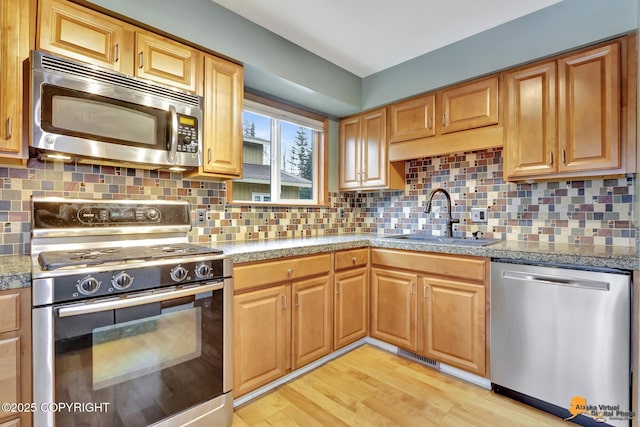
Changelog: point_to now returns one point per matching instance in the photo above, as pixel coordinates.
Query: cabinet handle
(117, 52)
(290, 271)
(339, 291)
(297, 299)
(429, 123)
(564, 157)
(444, 120)
(284, 302)
(413, 290)
(141, 58)
(9, 126)
(209, 154)
(424, 291)
(551, 158)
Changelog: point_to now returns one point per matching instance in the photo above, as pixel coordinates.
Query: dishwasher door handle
(556, 280)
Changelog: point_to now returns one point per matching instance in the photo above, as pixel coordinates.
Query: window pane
(256, 158)
(296, 167)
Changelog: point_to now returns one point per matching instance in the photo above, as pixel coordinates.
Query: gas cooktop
(53, 260)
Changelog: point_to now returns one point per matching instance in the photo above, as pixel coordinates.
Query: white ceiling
(367, 36)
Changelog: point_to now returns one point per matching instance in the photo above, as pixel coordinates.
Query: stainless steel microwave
(89, 114)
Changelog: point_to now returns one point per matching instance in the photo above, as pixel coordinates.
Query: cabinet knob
(354, 259)
(290, 271)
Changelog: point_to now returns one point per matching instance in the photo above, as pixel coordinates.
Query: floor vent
(420, 359)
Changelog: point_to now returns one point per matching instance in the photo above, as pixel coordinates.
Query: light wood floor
(371, 387)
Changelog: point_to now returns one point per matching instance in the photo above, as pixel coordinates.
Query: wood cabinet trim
(261, 273)
(464, 267)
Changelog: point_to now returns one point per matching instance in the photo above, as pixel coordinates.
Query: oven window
(147, 362)
(85, 115)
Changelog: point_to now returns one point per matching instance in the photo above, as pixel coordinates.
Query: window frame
(289, 113)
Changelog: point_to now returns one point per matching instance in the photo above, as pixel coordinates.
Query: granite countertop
(15, 269)
(620, 257)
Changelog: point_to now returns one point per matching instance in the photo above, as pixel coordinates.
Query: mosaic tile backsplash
(597, 211)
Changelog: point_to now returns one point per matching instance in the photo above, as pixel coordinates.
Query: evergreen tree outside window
(283, 157)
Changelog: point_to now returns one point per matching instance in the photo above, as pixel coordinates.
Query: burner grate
(52, 260)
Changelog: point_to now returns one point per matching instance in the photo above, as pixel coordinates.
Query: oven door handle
(114, 304)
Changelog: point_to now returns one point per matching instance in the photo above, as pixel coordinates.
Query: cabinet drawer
(9, 312)
(351, 258)
(258, 274)
(458, 266)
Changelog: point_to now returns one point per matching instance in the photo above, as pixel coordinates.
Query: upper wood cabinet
(413, 119)
(17, 19)
(364, 163)
(85, 35)
(75, 32)
(15, 353)
(433, 123)
(166, 61)
(223, 99)
(470, 105)
(574, 116)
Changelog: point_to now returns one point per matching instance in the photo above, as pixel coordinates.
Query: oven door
(132, 361)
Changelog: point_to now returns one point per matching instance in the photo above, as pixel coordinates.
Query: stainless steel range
(132, 325)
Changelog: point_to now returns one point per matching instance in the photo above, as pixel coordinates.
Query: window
(283, 157)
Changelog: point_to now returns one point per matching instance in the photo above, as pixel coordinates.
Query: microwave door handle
(173, 148)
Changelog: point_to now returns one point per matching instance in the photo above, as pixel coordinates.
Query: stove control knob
(88, 285)
(203, 271)
(178, 273)
(122, 281)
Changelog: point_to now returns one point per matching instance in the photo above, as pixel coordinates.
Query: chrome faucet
(450, 220)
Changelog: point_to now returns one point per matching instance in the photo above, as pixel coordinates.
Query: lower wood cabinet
(393, 307)
(280, 326)
(15, 354)
(431, 304)
(262, 337)
(453, 323)
(312, 320)
(351, 300)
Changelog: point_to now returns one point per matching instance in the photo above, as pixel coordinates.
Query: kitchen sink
(443, 240)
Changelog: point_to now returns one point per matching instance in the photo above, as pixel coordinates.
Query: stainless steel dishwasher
(561, 340)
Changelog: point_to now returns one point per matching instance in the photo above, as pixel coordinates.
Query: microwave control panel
(187, 134)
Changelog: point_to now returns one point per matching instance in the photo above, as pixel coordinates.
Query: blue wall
(280, 68)
(562, 26)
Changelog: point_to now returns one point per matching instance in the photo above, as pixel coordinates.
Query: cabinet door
(350, 153)
(223, 94)
(531, 144)
(351, 312)
(375, 164)
(166, 61)
(14, 49)
(78, 33)
(470, 106)
(262, 337)
(412, 119)
(393, 307)
(312, 317)
(589, 109)
(453, 323)
(9, 373)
